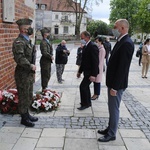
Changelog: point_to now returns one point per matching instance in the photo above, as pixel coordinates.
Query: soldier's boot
(32, 118)
(25, 120)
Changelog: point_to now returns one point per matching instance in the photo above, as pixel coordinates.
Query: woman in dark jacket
(79, 55)
(61, 59)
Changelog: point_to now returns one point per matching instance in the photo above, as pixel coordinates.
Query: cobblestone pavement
(134, 114)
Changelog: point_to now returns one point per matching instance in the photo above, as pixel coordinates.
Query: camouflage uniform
(24, 73)
(46, 59)
(24, 76)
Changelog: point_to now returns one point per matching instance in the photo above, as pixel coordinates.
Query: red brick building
(8, 32)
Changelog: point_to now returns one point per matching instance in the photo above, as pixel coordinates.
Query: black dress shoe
(94, 97)
(106, 138)
(33, 119)
(83, 107)
(103, 132)
(27, 122)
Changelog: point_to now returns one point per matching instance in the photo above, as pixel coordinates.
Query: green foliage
(52, 41)
(86, 6)
(125, 9)
(143, 17)
(135, 11)
(97, 27)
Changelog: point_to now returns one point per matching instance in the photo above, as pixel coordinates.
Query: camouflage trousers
(59, 71)
(24, 83)
(45, 74)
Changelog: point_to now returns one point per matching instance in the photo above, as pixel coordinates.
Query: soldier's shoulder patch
(18, 41)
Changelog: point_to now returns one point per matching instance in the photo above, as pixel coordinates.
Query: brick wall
(8, 32)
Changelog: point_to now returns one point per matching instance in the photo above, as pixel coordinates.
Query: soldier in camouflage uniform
(25, 69)
(46, 59)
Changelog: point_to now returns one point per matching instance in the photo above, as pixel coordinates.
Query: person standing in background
(79, 54)
(46, 58)
(98, 80)
(25, 70)
(145, 58)
(90, 69)
(107, 46)
(140, 53)
(117, 76)
(61, 59)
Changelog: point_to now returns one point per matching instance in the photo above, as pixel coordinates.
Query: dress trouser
(85, 93)
(97, 88)
(113, 107)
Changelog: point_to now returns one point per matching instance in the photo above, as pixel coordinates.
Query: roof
(61, 6)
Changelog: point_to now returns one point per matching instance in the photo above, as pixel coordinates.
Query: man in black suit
(117, 76)
(90, 69)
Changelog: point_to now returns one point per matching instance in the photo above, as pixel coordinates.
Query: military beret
(45, 30)
(24, 21)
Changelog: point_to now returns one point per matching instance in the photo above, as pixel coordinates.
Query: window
(43, 6)
(56, 29)
(66, 18)
(56, 17)
(36, 6)
(65, 29)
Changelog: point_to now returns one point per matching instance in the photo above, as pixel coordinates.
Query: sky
(102, 11)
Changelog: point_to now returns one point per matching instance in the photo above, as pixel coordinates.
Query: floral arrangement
(9, 101)
(46, 100)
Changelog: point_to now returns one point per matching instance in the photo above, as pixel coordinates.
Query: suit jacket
(119, 64)
(90, 60)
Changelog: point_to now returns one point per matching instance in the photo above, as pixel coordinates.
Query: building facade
(10, 11)
(58, 17)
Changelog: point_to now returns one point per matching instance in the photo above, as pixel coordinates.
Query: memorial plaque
(8, 10)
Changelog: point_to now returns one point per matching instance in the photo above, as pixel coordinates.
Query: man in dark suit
(117, 76)
(90, 69)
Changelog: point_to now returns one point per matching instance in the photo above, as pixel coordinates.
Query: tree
(97, 27)
(80, 7)
(124, 9)
(142, 17)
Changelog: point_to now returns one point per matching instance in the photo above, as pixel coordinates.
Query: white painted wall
(49, 20)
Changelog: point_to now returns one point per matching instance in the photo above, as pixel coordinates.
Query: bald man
(61, 59)
(117, 76)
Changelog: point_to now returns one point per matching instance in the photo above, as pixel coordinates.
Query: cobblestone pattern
(141, 119)
(140, 114)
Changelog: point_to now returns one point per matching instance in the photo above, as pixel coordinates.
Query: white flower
(8, 95)
(50, 94)
(57, 99)
(55, 103)
(11, 97)
(36, 104)
(48, 106)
